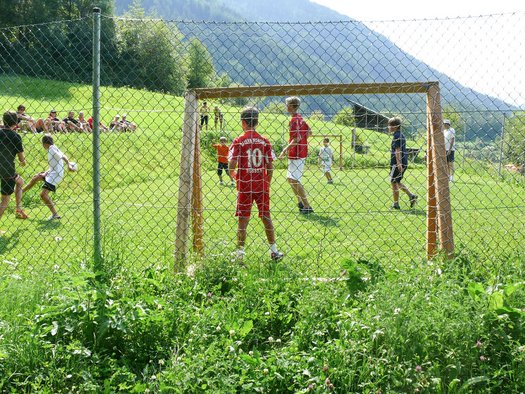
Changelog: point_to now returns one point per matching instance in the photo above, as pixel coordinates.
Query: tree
(147, 54)
(200, 67)
(345, 117)
(514, 143)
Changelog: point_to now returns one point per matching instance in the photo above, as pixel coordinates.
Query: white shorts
(295, 169)
(326, 167)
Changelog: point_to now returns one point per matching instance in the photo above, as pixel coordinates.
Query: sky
(486, 54)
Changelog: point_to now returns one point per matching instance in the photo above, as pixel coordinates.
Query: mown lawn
(139, 181)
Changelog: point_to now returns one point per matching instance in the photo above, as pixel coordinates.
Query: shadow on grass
(321, 219)
(46, 225)
(8, 242)
(415, 212)
(37, 89)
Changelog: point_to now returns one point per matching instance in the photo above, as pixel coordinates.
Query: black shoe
(307, 211)
(413, 200)
(300, 205)
(396, 206)
(276, 256)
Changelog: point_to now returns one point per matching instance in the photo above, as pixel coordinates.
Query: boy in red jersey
(252, 155)
(297, 149)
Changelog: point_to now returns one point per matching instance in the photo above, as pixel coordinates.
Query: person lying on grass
(53, 176)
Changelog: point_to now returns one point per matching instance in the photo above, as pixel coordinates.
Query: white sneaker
(54, 217)
(238, 255)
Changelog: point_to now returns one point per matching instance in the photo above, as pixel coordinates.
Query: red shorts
(245, 201)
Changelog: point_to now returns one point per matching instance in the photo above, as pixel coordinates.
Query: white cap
(446, 121)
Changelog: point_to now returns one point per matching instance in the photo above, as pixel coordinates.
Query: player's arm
(21, 158)
(398, 158)
(269, 171)
(232, 164)
(293, 142)
(232, 160)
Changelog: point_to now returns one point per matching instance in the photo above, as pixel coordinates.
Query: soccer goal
(439, 230)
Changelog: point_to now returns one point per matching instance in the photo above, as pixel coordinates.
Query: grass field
(393, 323)
(139, 174)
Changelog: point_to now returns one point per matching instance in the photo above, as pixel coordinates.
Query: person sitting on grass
(115, 124)
(102, 126)
(52, 176)
(71, 123)
(127, 125)
(53, 124)
(83, 123)
(27, 123)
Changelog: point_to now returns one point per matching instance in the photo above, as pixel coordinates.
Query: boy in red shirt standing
(252, 155)
(222, 159)
(297, 149)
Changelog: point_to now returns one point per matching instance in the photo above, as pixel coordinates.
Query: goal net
(353, 215)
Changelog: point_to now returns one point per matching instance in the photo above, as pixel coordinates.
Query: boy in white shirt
(52, 176)
(450, 146)
(325, 159)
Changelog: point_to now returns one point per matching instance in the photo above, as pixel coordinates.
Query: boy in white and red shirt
(53, 176)
(297, 149)
(252, 155)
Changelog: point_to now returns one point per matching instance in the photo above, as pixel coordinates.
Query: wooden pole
(432, 247)
(185, 179)
(307, 90)
(444, 210)
(197, 199)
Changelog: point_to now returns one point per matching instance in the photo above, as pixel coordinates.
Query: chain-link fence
(147, 65)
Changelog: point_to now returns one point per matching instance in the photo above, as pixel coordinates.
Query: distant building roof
(366, 118)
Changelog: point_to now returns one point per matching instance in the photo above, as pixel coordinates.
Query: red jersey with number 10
(252, 152)
(299, 130)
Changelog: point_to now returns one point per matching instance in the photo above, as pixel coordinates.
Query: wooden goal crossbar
(190, 200)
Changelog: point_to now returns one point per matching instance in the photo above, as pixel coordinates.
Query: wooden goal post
(439, 214)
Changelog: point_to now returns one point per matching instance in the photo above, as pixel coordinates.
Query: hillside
(322, 52)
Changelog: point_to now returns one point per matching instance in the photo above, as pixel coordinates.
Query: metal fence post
(97, 244)
(502, 145)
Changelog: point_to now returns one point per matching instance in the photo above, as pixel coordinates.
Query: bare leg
(241, 231)
(395, 192)
(44, 195)
(299, 192)
(37, 178)
(268, 229)
(4, 203)
(19, 184)
(405, 189)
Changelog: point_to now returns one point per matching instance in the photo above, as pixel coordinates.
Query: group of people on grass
(53, 123)
(11, 147)
(248, 161)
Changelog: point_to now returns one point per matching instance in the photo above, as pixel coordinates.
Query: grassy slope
(140, 188)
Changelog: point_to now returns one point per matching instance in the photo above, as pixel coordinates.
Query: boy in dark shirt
(10, 148)
(398, 163)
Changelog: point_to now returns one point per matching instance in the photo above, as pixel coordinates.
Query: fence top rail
(311, 90)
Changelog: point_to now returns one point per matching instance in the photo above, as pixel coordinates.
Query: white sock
(273, 248)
